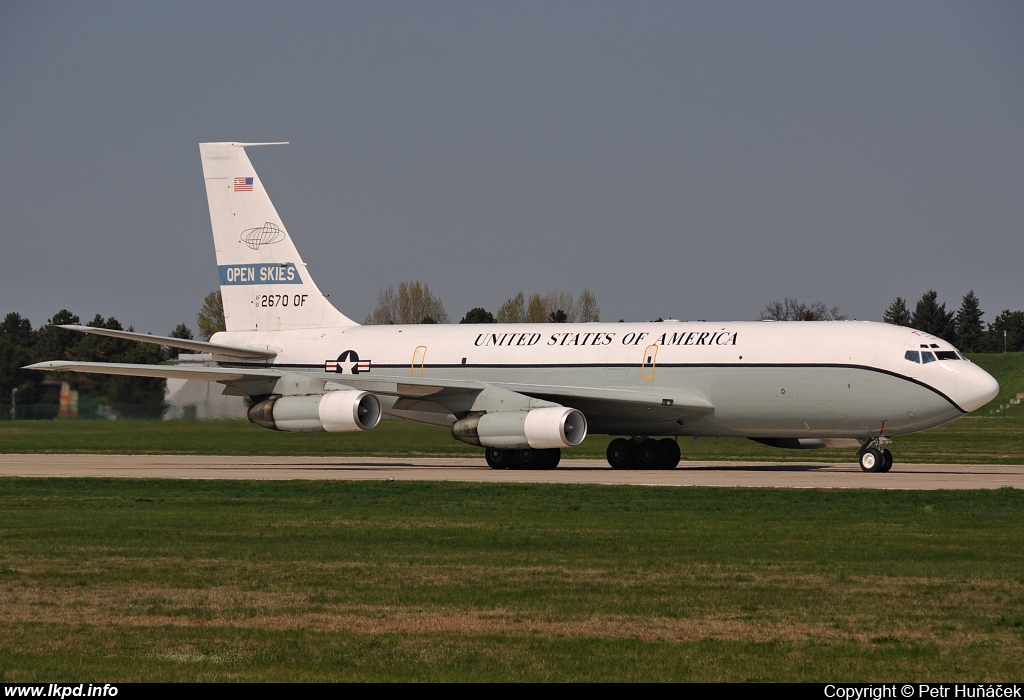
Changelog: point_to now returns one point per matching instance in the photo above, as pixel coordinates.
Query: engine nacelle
(540, 428)
(333, 412)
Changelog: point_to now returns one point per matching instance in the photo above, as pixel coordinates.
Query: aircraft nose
(974, 386)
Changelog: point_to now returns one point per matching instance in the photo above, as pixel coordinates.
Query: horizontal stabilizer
(194, 345)
(208, 374)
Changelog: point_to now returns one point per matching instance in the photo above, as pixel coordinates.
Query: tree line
(21, 344)
(964, 327)
(413, 302)
(136, 397)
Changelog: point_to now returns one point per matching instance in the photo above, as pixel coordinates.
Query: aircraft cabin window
(946, 355)
(913, 356)
(927, 357)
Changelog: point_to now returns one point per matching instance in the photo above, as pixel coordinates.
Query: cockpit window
(927, 357)
(946, 355)
(913, 356)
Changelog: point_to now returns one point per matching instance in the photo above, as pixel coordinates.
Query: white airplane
(525, 391)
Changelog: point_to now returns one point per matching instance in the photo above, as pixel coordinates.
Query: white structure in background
(187, 398)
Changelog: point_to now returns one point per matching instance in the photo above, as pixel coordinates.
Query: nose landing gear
(874, 458)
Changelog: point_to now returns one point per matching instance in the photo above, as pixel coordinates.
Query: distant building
(190, 399)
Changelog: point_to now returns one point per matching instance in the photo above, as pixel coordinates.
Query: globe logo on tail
(262, 235)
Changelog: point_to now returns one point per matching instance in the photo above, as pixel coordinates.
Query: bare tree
(790, 309)
(550, 307)
(587, 309)
(412, 303)
(513, 309)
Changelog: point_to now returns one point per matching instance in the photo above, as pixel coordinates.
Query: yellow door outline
(649, 361)
(418, 355)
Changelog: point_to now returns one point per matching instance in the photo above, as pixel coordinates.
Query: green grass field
(126, 580)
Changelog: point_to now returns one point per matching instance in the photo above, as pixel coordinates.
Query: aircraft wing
(457, 394)
(660, 404)
(194, 345)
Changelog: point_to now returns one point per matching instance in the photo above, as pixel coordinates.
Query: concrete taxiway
(785, 475)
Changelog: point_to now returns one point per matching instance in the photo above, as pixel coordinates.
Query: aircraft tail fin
(263, 281)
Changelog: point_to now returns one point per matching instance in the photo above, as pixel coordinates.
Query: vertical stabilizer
(263, 281)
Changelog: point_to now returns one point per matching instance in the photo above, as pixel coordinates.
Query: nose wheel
(875, 460)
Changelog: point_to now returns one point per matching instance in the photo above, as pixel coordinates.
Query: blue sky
(693, 160)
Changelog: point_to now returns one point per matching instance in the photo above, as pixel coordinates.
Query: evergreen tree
(969, 327)
(897, 313)
(139, 397)
(17, 339)
(134, 397)
(478, 315)
(54, 343)
(1006, 332)
(931, 317)
(182, 331)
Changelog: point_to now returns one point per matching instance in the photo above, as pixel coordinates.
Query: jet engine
(540, 428)
(333, 412)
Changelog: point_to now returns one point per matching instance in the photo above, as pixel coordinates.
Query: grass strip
(141, 580)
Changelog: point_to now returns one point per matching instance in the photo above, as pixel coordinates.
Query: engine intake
(540, 428)
(333, 412)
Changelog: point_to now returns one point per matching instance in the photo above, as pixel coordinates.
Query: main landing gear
(643, 453)
(874, 458)
(522, 459)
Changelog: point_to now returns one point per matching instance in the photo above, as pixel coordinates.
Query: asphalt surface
(784, 475)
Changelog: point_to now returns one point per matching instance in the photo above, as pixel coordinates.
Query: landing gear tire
(619, 453)
(669, 452)
(886, 461)
(649, 455)
(529, 458)
(554, 457)
(498, 458)
(873, 460)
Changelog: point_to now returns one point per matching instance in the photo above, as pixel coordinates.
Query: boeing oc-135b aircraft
(524, 392)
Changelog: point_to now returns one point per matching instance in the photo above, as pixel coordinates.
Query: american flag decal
(243, 184)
